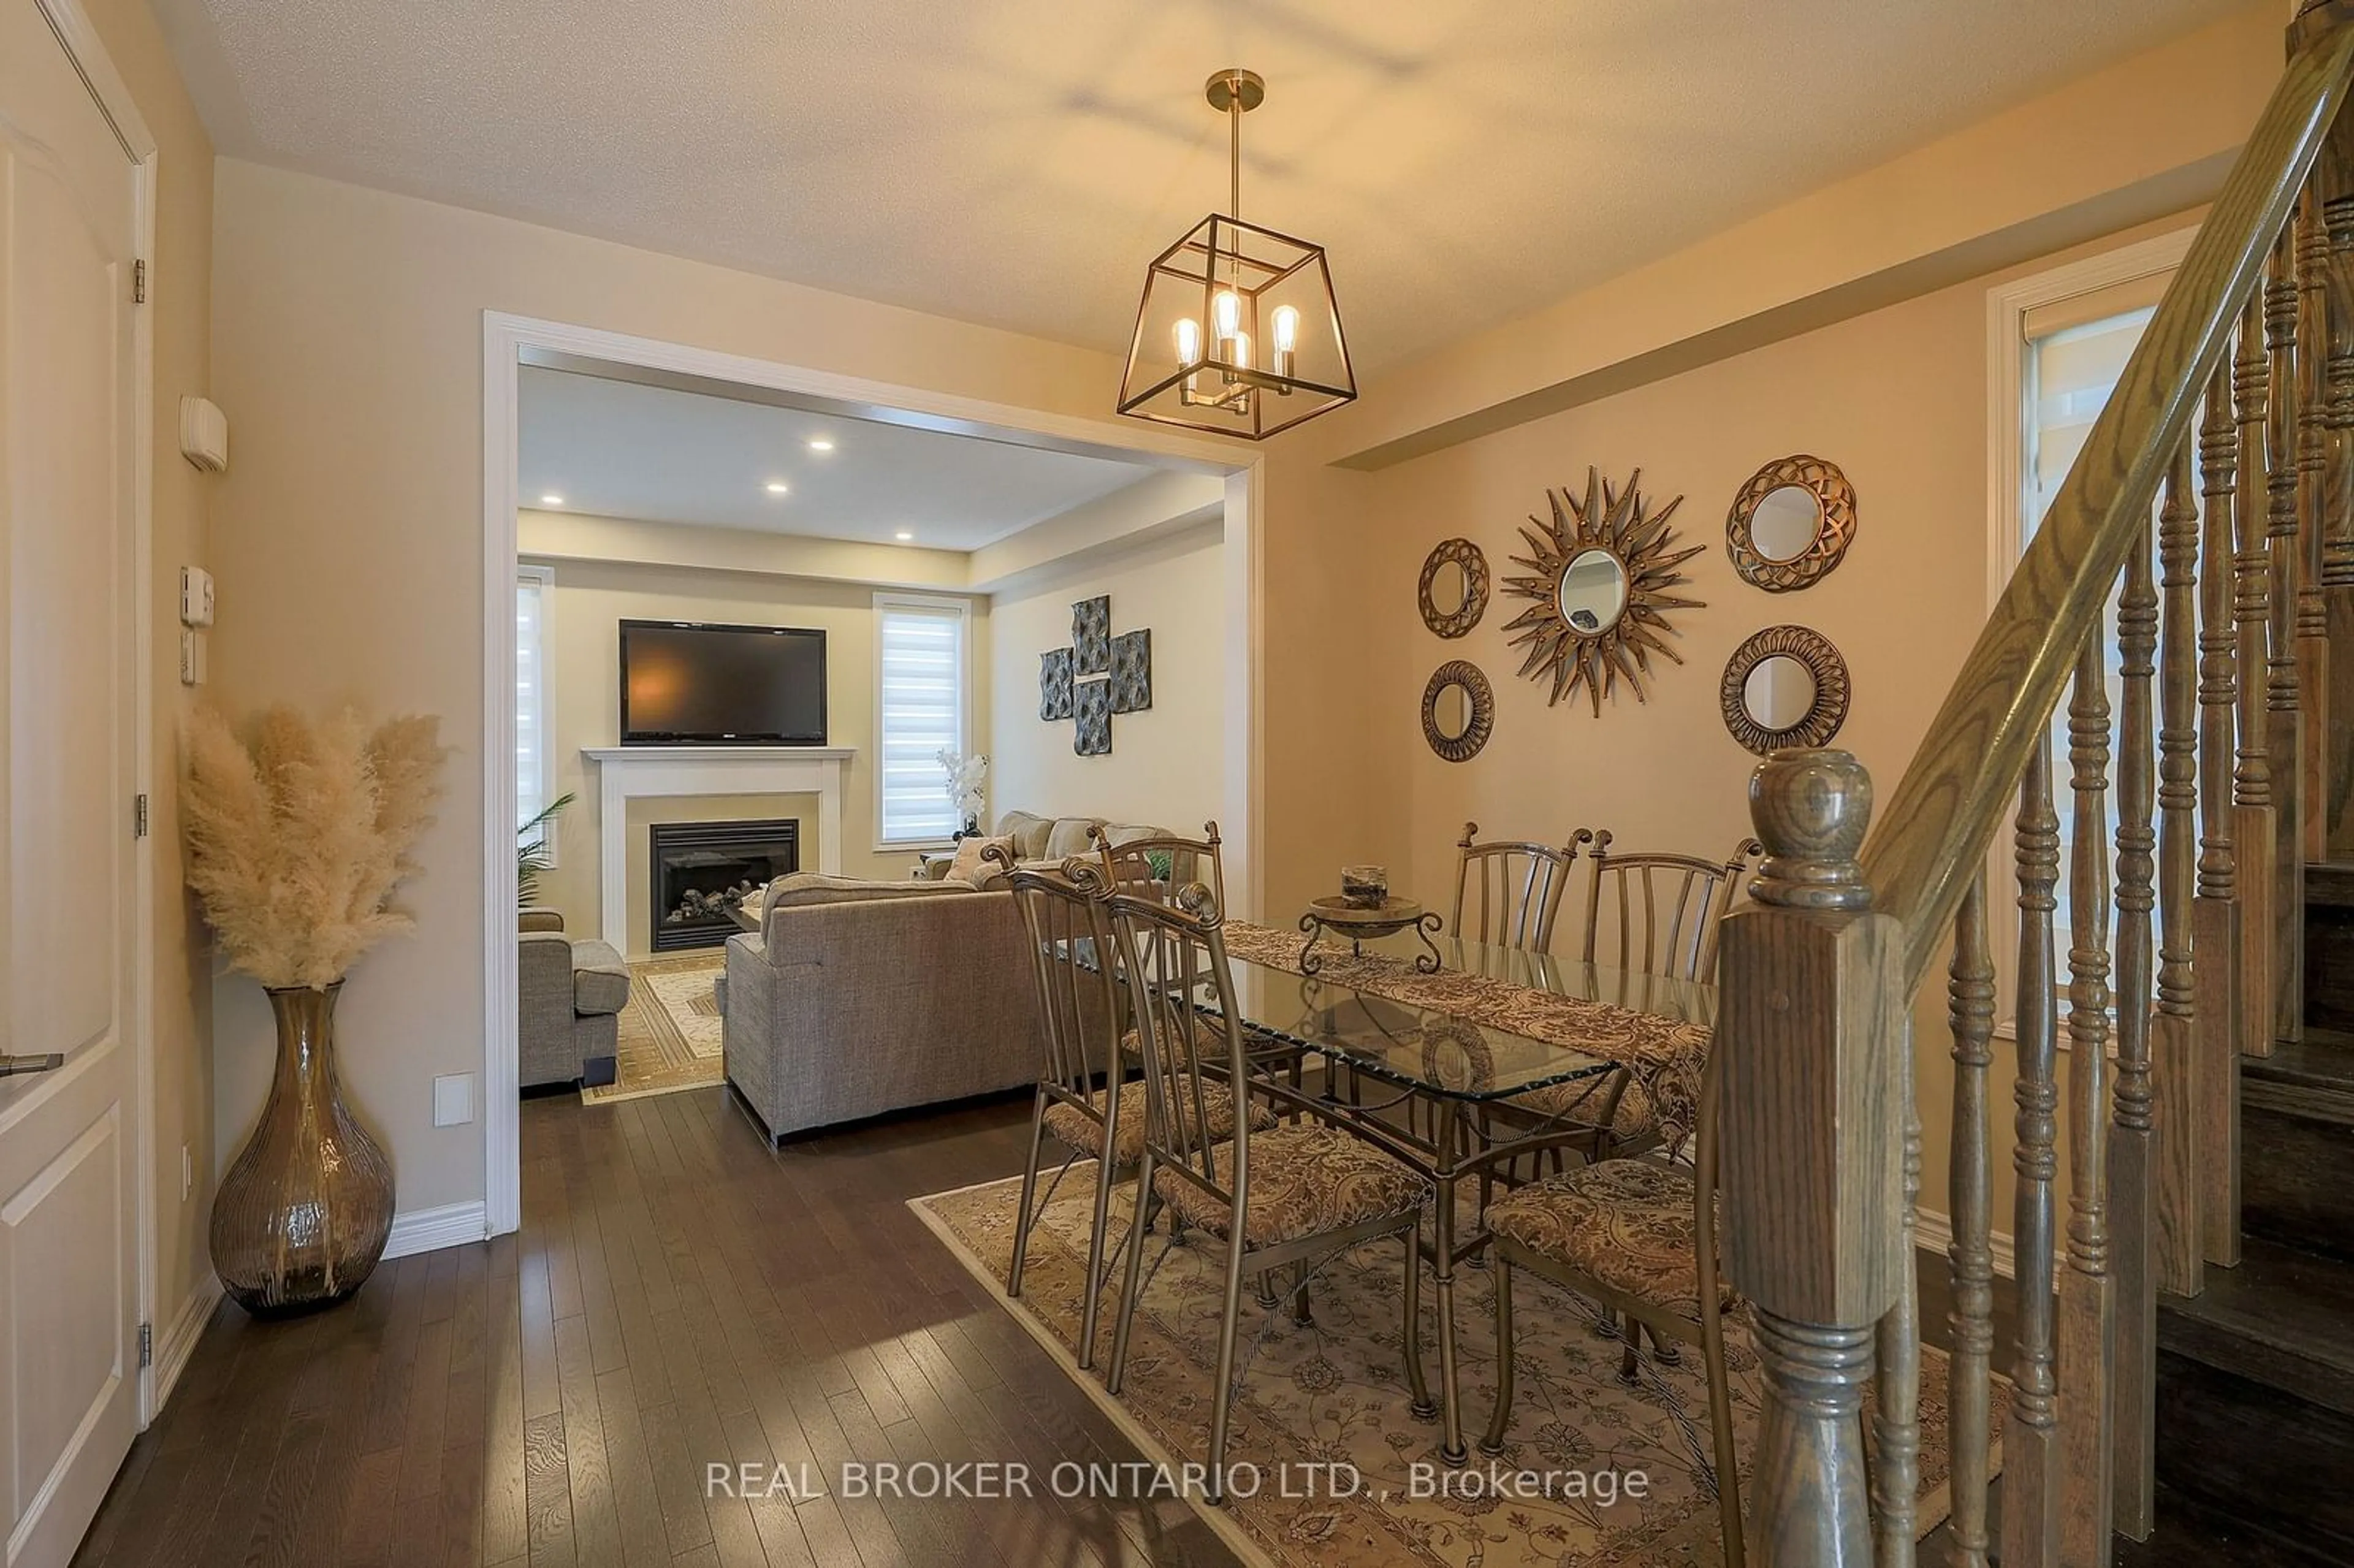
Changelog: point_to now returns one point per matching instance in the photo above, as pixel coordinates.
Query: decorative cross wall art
(1099, 674)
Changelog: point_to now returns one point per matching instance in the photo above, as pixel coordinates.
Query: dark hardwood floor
(678, 1296)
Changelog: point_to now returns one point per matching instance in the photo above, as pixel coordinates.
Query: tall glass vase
(301, 1218)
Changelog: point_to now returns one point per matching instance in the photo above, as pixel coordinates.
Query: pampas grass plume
(299, 832)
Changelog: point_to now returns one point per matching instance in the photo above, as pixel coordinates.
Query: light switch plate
(453, 1099)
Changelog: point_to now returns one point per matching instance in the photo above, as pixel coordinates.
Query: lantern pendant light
(1238, 331)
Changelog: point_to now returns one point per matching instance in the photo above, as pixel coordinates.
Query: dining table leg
(1442, 1228)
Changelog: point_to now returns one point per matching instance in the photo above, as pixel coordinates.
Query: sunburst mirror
(1605, 571)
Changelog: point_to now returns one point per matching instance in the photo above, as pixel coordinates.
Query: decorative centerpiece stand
(1360, 922)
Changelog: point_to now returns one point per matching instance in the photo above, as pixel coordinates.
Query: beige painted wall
(349, 547)
(182, 269)
(1898, 398)
(1166, 766)
(590, 600)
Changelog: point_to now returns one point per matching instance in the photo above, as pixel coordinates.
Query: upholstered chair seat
(1077, 1129)
(1303, 1180)
(1633, 1124)
(1626, 1224)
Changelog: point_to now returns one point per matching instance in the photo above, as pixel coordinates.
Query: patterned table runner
(1620, 1033)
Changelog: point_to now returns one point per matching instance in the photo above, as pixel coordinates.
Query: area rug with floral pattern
(669, 1032)
(1343, 1473)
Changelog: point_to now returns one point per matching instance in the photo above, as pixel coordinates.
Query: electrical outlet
(453, 1099)
(187, 1173)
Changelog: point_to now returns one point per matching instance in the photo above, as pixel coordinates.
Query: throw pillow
(969, 866)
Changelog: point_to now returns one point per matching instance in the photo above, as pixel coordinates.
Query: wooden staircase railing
(2231, 563)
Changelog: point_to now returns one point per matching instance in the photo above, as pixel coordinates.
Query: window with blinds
(923, 698)
(534, 771)
(2075, 353)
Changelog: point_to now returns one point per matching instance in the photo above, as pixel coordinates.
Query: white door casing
(74, 184)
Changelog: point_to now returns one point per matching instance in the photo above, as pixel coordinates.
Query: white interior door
(69, 201)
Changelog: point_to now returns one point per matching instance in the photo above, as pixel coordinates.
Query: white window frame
(2009, 305)
(543, 787)
(962, 608)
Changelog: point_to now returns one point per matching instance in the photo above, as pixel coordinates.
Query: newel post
(1812, 1028)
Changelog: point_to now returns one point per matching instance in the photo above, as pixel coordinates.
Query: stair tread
(2329, 882)
(2324, 1059)
(2283, 1318)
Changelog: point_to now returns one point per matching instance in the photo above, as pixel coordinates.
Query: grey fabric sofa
(842, 1006)
(569, 997)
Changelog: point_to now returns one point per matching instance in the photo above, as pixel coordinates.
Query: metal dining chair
(1291, 1197)
(1668, 909)
(1083, 1100)
(1129, 865)
(1509, 890)
(1638, 1236)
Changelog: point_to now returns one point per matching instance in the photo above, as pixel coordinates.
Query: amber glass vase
(301, 1219)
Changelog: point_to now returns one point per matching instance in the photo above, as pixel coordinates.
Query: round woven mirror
(1458, 711)
(1786, 687)
(1791, 523)
(1454, 588)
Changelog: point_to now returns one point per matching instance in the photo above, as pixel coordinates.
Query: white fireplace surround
(627, 772)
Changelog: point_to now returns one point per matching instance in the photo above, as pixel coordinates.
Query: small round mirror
(1449, 588)
(1784, 526)
(1593, 592)
(1779, 693)
(1451, 713)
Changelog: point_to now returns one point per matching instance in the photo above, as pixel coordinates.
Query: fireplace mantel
(624, 772)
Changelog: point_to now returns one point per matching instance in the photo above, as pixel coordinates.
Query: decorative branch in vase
(298, 833)
(968, 779)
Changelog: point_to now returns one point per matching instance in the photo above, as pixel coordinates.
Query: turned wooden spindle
(2031, 1444)
(1970, 1005)
(1812, 1037)
(2087, 1290)
(2133, 1131)
(2332, 718)
(1896, 1413)
(2312, 649)
(2284, 732)
(2251, 777)
(2177, 1263)
(2217, 950)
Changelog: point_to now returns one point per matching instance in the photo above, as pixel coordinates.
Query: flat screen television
(684, 684)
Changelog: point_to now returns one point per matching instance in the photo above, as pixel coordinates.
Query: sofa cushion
(1070, 836)
(1028, 833)
(804, 887)
(600, 980)
(969, 866)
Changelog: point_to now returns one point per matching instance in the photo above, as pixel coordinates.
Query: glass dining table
(1489, 1024)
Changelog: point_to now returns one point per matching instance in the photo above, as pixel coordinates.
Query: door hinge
(146, 1344)
(139, 282)
(139, 817)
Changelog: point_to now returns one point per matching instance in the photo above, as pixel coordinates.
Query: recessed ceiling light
(903, 533)
(775, 487)
(551, 500)
(820, 443)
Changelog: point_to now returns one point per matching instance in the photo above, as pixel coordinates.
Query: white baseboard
(430, 1229)
(1936, 1231)
(179, 1340)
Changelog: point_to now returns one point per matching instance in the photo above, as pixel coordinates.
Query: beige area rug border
(1233, 1534)
(658, 1017)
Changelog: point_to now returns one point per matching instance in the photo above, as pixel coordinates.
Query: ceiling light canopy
(820, 443)
(1238, 331)
(903, 533)
(777, 487)
(551, 500)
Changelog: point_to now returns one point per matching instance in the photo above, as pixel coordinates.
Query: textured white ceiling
(1017, 162)
(617, 448)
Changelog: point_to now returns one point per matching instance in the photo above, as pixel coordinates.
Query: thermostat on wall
(204, 434)
(195, 597)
